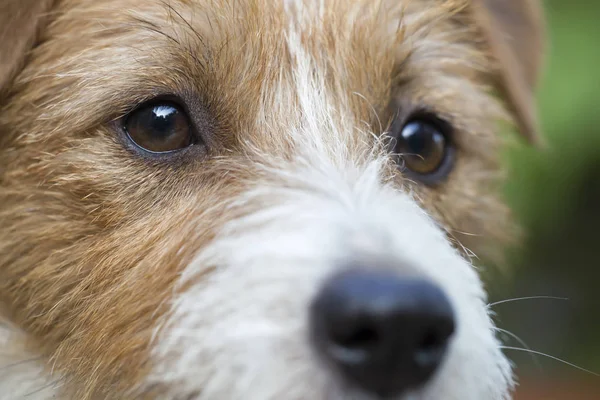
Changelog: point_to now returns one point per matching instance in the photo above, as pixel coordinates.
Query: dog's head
(259, 200)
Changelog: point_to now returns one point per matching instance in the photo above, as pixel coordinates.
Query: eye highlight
(159, 127)
(424, 146)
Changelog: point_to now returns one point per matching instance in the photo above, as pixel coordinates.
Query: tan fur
(93, 237)
(18, 29)
(515, 32)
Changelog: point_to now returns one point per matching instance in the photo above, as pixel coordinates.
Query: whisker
(526, 298)
(522, 343)
(551, 357)
(16, 364)
(51, 384)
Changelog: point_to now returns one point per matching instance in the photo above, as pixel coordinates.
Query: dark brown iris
(160, 128)
(424, 148)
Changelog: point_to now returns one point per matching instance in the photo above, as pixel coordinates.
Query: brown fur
(515, 31)
(19, 29)
(93, 236)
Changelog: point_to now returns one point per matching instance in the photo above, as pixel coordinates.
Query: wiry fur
(190, 277)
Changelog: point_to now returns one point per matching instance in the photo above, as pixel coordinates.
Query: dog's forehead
(259, 67)
(249, 61)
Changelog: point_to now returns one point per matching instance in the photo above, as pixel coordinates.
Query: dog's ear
(515, 32)
(20, 21)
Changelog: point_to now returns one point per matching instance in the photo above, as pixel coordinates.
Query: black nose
(383, 333)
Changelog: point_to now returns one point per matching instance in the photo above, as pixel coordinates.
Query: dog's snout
(381, 332)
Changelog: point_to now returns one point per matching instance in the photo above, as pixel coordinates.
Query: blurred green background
(556, 197)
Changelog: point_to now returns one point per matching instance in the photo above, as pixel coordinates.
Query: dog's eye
(424, 146)
(160, 127)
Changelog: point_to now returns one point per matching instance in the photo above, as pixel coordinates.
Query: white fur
(240, 330)
(22, 374)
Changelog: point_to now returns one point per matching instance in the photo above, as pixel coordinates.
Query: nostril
(431, 347)
(437, 335)
(362, 338)
(431, 340)
(354, 333)
(353, 342)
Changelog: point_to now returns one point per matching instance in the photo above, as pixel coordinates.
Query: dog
(251, 199)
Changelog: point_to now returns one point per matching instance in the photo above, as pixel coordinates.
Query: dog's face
(258, 199)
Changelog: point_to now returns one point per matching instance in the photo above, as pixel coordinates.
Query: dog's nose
(383, 333)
